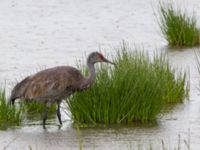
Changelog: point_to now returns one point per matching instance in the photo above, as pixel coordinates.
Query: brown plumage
(49, 85)
(55, 84)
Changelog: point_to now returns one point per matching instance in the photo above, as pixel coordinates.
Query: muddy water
(36, 35)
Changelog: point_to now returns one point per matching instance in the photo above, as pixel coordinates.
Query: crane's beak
(108, 61)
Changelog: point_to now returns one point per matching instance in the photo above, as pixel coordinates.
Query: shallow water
(36, 35)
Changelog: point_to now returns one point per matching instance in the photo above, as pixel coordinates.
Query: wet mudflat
(37, 35)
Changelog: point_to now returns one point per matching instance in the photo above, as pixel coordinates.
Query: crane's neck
(90, 78)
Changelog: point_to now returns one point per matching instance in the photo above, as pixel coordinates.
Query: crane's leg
(45, 114)
(58, 113)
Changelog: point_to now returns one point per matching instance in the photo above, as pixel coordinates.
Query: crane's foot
(59, 115)
(44, 123)
(44, 126)
(45, 117)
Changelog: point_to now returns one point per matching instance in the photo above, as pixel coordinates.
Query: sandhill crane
(55, 84)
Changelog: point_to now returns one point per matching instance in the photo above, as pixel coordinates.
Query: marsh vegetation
(135, 90)
(35, 107)
(178, 28)
(9, 116)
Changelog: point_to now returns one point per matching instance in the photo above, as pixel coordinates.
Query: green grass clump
(9, 116)
(177, 27)
(133, 91)
(34, 111)
(34, 107)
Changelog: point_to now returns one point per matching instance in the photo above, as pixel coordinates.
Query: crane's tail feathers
(12, 100)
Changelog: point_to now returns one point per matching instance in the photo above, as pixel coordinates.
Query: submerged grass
(9, 116)
(33, 108)
(14, 115)
(135, 90)
(34, 111)
(177, 27)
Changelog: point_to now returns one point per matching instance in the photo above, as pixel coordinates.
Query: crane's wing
(54, 83)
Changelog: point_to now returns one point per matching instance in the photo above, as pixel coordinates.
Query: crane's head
(95, 57)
